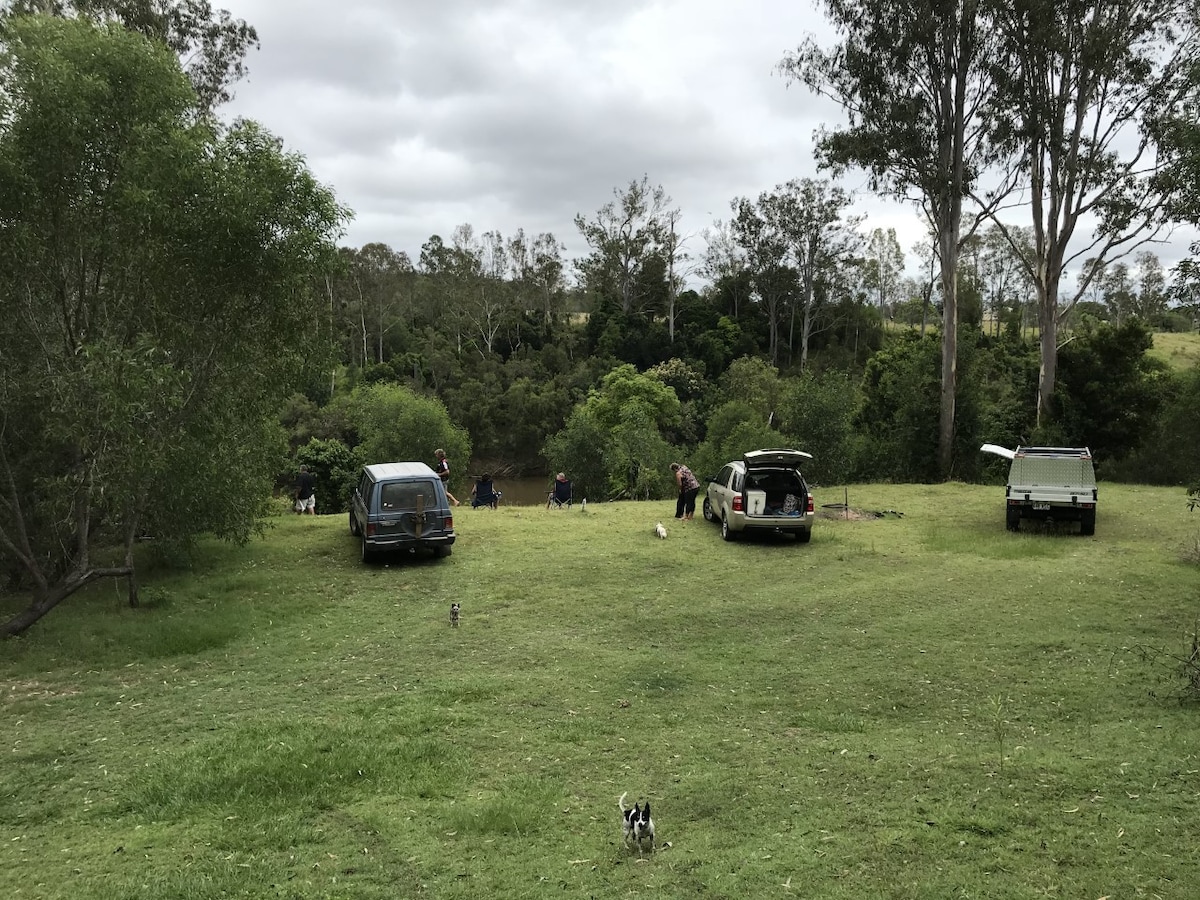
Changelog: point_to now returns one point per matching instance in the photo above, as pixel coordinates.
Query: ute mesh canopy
(1053, 466)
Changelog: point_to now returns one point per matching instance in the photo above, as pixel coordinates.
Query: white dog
(636, 824)
(660, 531)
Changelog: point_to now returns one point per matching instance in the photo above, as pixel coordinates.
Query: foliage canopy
(155, 304)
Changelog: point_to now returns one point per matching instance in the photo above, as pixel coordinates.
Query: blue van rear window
(407, 495)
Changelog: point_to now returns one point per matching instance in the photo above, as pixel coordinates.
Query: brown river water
(525, 490)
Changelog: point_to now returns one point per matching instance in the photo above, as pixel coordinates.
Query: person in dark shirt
(306, 497)
(443, 472)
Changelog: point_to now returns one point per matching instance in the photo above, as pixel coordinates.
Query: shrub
(579, 450)
(1167, 455)
(335, 467)
(733, 428)
(394, 423)
(613, 444)
(1109, 392)
(899, 415)
(816, 412)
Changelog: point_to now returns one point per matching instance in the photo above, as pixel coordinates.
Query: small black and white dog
(636, 824)
(454, 615)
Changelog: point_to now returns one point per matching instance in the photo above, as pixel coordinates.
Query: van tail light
(370, 529)
(810, 507)
(738, 506)
(448, 523)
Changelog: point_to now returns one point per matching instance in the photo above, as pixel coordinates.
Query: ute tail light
(738, 505)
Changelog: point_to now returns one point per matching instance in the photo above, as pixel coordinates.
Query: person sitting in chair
(484, 493)
(561, 495)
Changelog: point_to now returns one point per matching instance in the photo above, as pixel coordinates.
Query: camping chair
(485, 494)
(561, 495)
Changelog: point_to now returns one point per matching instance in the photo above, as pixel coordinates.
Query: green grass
(919, 707)
(1180, 351)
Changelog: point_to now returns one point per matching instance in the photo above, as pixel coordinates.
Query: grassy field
(1180, 351)
(913, 707)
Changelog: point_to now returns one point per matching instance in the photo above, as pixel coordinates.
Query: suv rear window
(405, 495)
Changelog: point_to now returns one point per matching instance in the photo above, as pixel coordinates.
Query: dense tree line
(521, 365)
(609, 395)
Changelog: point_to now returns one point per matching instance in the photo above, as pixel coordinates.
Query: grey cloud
(522, 113)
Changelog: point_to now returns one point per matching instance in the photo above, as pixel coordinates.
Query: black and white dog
(454, 608)
(636, 824)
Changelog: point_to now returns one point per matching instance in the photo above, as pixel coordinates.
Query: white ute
(1051, 484)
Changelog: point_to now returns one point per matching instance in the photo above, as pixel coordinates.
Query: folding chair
(561, 495)
(484, 494)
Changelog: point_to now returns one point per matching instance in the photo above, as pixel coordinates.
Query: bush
(900, 411)
(1109, 392)
(1168, 455)
(335, 467)
(613, 444)
(394, 423)
(733, 428)
(816, 412)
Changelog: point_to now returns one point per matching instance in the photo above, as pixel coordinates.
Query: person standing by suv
(689, 486)
(443, 472)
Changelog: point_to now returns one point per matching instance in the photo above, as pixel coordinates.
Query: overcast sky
(509, 114)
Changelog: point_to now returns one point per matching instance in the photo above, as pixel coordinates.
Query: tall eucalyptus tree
(1151, 286)
(625, 234)
(913, 77)
(760, 231)
(537, 269)
(723, 262)
(1080, 90)
(1003, 278)
(821, 235)
(383, 277)
(885, 265)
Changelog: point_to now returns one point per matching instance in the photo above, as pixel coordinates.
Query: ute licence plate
(1041, 506)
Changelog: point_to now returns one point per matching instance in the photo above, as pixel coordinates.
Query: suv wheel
(709, 515)
(803, 536)
(353, 525)
(726, 534)
(442, 551)
(367, 554)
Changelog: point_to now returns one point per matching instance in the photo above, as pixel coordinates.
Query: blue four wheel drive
(401, 506)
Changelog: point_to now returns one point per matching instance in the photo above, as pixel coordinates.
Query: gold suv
(763, 491)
